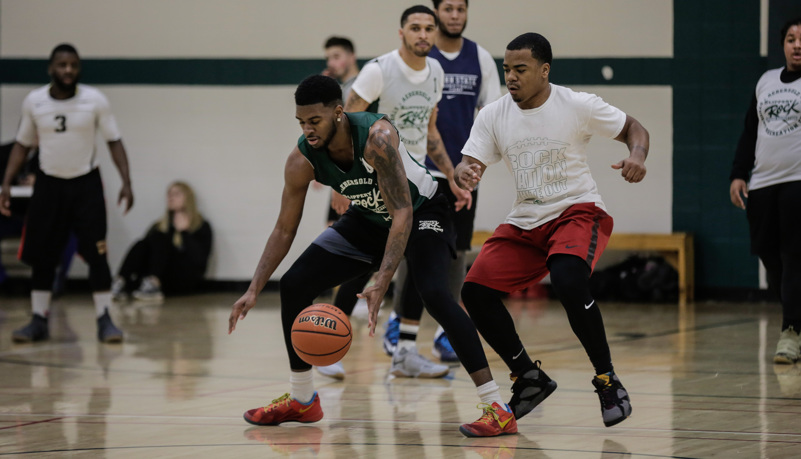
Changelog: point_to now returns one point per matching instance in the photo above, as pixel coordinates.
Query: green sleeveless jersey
(360, 183)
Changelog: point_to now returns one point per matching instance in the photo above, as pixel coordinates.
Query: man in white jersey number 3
(68, 194)
(558, 223)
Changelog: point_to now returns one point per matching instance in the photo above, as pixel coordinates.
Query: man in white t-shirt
(408, 85)
(68, 197)
(558, 223)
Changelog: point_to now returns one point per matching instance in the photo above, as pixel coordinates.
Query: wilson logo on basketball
(319, 321)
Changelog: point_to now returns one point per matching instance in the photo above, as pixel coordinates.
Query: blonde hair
(195, 218)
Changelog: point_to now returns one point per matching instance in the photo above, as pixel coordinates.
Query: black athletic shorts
(430, 220)
(774, 217)
(462, 220)
(59, 207)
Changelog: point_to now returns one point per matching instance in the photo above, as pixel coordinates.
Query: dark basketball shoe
(529, 390)
(615, 403)
(36, 330)
(106, 331)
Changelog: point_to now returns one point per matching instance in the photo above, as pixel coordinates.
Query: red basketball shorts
(513, 259)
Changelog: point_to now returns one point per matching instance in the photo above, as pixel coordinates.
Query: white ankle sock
(40, 302)
(301, 385)
(489, 393)
(439, 332)
(102, 302)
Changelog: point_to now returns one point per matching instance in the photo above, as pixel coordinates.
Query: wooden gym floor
(701, 379)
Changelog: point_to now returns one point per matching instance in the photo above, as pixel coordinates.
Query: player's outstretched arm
(637, 139)
(382, 153)
(121, 161)
(468, 173)
(16, 159)
(298, 173)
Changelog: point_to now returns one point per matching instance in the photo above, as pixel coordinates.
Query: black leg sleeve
(428, 259)
(570, 278)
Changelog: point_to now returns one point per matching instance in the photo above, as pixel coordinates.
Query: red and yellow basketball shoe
(286, 409)
(495, 421)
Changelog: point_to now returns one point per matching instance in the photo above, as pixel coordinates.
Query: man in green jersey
(395, 212)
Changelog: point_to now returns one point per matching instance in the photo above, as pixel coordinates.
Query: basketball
(321, 334)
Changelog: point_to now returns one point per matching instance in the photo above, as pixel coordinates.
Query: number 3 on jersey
(62, 123)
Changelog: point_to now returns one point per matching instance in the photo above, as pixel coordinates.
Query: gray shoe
(36, 330)
(336, 371)
(787, 349)
(408, 363)
(615, 402)
(149, 290)
(106, 331)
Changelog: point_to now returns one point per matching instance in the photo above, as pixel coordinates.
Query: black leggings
(570, 279)
(784, 281)
(317, 270)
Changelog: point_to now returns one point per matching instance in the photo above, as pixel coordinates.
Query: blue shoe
(443, 349)
(391, 334)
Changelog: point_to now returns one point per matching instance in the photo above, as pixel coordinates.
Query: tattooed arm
(355, 103)
(438, 154)
(381, 152)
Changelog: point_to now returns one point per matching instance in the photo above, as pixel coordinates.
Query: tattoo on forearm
(388, 164)
(354, 102)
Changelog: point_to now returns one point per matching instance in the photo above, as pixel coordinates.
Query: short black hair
(418, 9)
(786, 28)
(318, 89)
(439, 2)
(341, 42)
(63, 48)
(539, 46)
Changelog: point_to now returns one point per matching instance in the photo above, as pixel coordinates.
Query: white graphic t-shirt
(544, 149)
(778, 146)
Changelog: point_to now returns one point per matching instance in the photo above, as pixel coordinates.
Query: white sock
(439, 332)
(102, 302)
(489, 393)
(40, 302)
(301, 385)
(408, 330)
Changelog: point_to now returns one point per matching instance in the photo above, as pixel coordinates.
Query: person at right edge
(769, 151)
(558, 223)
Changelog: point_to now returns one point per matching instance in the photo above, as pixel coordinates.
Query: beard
(445, 32)
(414, 50)
(323, 144)
(66, 87)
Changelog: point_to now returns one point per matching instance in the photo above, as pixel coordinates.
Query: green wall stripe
(239, 72)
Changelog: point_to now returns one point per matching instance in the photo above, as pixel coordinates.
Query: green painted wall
(715, 68)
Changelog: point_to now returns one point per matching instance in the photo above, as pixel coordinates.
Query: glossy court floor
(701, 379)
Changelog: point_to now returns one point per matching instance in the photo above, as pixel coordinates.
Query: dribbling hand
(373, 295)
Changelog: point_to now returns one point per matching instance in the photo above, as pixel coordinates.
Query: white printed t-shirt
(544, 149)
(66, 129)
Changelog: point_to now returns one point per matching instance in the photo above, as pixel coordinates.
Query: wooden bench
(676, 248)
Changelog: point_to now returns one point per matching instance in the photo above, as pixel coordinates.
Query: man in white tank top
(408, 85)
(68, 194)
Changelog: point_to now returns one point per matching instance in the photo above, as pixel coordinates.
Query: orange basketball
(321, 334)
